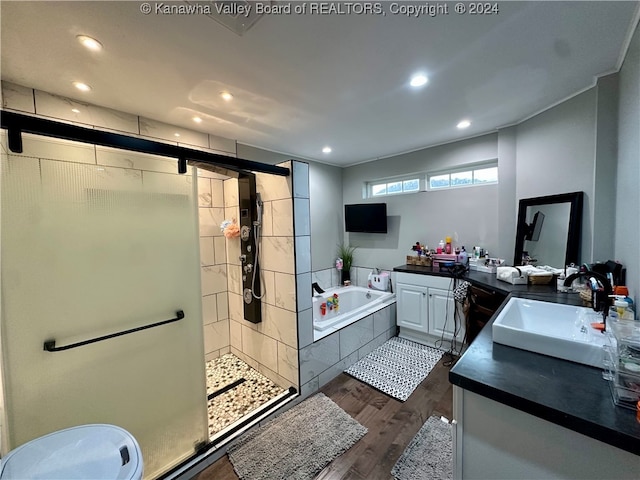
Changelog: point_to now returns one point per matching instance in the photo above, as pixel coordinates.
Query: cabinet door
(442, 315)
(412, 307)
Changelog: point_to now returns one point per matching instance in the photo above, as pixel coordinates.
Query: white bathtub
(354, 303)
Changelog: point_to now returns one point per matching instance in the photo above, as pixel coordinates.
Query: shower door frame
(16, 124)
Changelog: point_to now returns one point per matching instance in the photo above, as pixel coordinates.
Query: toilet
(104, 452)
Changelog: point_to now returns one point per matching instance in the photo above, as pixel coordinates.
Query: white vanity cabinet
(441, 314)
(412, 307)
(426, 308)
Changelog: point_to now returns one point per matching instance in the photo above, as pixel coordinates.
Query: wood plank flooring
(391, 424)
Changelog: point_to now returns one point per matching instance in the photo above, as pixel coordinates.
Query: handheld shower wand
(257, 224)
(259, 204)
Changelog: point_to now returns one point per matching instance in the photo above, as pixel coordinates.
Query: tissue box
(511, 275)
(485, 266)
(379, 281)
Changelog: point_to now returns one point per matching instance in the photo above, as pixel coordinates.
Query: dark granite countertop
(568, 394)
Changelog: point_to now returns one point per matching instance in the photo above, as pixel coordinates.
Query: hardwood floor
(391, 424)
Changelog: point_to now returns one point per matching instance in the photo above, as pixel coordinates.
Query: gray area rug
(429, 455)
(396, 367)
(296, 445)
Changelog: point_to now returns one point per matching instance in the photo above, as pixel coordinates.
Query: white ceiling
(305, 81)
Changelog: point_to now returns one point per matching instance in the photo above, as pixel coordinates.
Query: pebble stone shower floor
(227, 407)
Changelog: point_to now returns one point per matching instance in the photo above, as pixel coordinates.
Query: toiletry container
(440, 247)
(623, 309)
(447, 247)
(464, 257)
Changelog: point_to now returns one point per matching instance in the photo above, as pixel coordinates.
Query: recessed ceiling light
(463, 124)
(176, 134)
(418, 80)
(89, 42)
(197, 119)
(75, 110)
(226, 96)
(326, 150)
(83, 87)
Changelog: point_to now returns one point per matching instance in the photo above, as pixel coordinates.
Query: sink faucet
(316, 288)
(601, 290)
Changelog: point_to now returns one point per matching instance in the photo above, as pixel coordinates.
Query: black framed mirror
(548, 229)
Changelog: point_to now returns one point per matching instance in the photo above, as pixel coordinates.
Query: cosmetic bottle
(464, 257)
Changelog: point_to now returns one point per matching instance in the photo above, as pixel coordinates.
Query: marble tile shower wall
(213, 261)
(271, 346)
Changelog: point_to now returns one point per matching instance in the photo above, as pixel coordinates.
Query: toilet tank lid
(96, 451)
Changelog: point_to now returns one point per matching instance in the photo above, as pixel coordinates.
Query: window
(380, 188)
(473, 174)
(480, 175)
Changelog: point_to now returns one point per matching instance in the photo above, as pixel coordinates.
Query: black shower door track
(16, 124)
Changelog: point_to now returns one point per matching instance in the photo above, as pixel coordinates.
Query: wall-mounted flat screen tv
(366, 217)
(536, 225)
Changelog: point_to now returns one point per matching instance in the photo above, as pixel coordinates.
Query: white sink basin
(561, 331)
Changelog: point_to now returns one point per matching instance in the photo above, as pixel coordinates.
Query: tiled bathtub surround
(334, 322)
(323, 360)
(226, 408)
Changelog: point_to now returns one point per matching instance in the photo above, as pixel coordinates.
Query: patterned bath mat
(396, 367)
(296, 445)
(428, 455)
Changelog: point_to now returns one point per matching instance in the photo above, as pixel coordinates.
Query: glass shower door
(96, 241)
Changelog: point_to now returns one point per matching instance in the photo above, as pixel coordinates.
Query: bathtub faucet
(316, 288)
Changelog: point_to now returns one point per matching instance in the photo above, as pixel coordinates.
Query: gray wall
(507, 204)
(627, 226)
(556, 154)
(325, 184)
(604, 193)
(467, 214)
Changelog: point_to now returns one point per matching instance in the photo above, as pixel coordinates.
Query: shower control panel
(244, 233)
(250, 231)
